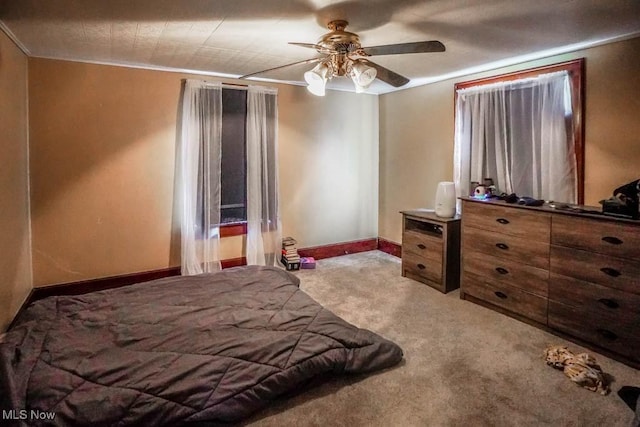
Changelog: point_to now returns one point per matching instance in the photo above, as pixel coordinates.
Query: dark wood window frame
(576, 70)
(235, 229)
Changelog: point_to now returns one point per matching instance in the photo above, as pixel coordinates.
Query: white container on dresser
(576, 273)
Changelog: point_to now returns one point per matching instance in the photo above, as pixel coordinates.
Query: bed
(211, 348)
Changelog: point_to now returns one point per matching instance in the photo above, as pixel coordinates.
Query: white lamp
(446, 200)
(317, 79)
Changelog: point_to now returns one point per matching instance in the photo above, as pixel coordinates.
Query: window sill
(233, 229)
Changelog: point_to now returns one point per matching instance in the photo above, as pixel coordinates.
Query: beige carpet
(464, 365)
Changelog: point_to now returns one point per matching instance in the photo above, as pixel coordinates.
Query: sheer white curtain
(199, 176)
(264, 235)
(519, 133)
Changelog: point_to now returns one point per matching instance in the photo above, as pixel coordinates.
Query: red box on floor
(307, 262)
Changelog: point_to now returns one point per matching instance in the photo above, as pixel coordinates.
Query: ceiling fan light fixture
(317, 79)
(362, 75)
(343, 56)
(318, 73)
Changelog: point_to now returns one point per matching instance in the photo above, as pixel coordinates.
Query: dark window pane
(233, 168)
(233, 214)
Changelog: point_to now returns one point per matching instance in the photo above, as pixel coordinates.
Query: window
(516, 141)
(242, 199)
(233, 167)
(233, 174)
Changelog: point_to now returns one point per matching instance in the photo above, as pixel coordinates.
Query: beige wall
(102, 166)
(15, 244)
(417, 128)
(328, 166)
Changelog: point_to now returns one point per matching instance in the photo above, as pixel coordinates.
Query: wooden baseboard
(91, 285)
(389, 247)
(233, 262)
(338, 249)
(99, 284)
(102, 283)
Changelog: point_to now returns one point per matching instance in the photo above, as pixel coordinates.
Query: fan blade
(306, 61)
(319, 48)
(310, 45)
(386, 75)
(394, 49)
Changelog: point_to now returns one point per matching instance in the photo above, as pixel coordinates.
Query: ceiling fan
(344, 56)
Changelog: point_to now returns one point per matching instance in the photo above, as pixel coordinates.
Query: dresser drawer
(530, 225)
(600, 300)
(609, 238)
(417, 265)
(506, 247)
(601, 330)
(508, 297)
(605, 270)
(421, 245)
(494, 269)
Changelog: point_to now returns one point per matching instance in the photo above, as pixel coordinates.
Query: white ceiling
(236, 37)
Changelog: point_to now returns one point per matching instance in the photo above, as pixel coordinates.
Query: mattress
(210, 348)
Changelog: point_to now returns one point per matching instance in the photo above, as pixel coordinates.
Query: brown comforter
(213, 348)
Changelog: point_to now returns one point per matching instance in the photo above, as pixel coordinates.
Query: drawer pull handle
(502, 246)
(608, 303)
(612, 240)
(502, 270)
(503, 221)
(608, 335)
(610, 271)
(421, 266)
(500, 295)
(421, 246)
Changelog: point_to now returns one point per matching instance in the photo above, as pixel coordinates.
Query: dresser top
(558, 208)
(429, 214)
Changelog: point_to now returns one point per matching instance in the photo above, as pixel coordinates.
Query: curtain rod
(521, 83)
(208, 82)
(236, 86)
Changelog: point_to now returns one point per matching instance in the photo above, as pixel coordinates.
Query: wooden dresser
(573, 272)
(431, 249)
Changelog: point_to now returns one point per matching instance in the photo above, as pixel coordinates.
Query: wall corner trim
(14, 39)
(389, 247)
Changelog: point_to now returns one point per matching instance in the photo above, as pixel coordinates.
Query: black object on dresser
(431, 249)
(576, 271)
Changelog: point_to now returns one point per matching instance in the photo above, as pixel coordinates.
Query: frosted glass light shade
(362, 75)
(446, 200)
(317, 88)
(317, 79)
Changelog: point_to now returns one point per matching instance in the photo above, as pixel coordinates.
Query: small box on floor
(307, 262)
